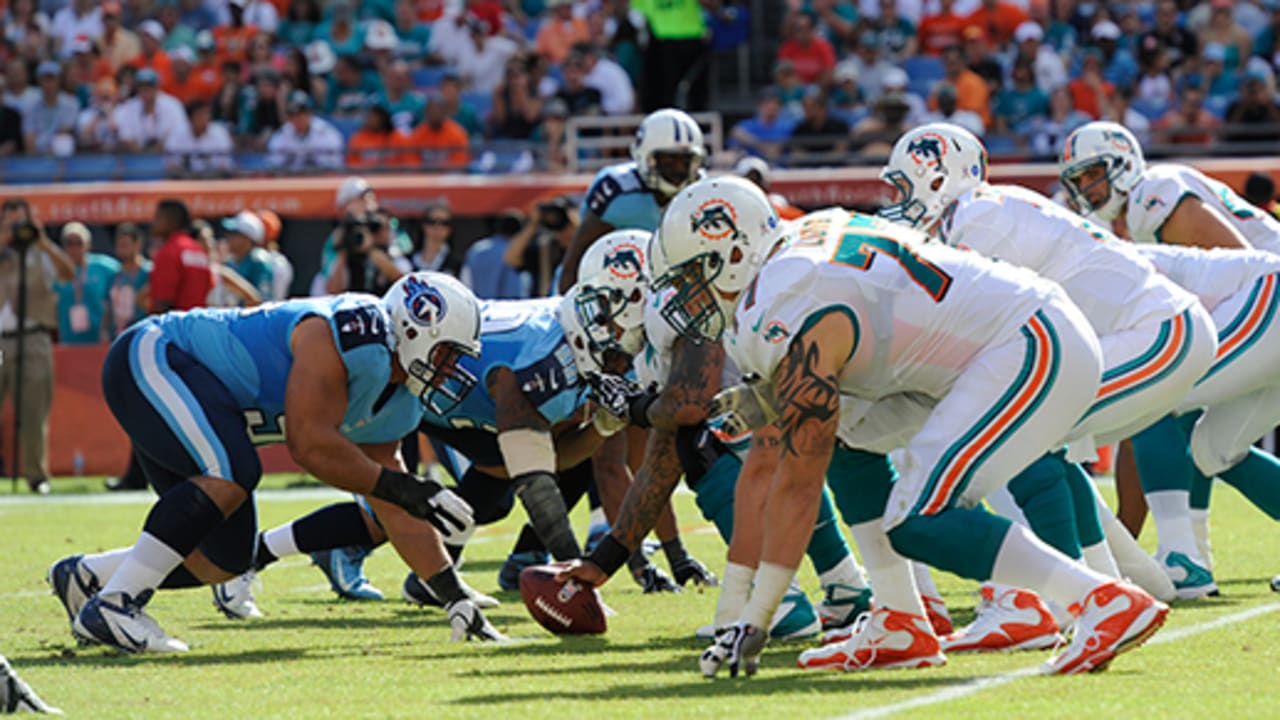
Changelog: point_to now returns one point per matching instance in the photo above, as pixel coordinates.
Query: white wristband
(772, 582)
(525, 450)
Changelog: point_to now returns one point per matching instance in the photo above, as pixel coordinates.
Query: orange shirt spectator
(1091, 94)
(232, 43)
(998, 20)
(810, 54)
(189, 83)
(153, 55)
(1189, 123)
(938, 32)
(972, 92)
(428, 10)
(438, 141)
(560, 31)
(377, 142)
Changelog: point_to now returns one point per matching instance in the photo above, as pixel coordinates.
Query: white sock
(146, 566)
(772, 582)
(280, 541)
(1172, 518)
(1026, 561)
(1001, 502)
(924, 580)
(598, 517)
(735, 587)
(1200, 528)
(845, 572)
(1098, 557)
(1133, 561)
(104, 565)
(1060, 614)
(892, 582)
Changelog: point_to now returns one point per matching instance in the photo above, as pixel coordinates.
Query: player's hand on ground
(689, 568)
(582, 571)
(738, 647)
(652, 579)
(468, 623)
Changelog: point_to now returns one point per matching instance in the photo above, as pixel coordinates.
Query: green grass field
(313, 656)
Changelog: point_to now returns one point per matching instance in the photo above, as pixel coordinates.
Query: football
(562, 608)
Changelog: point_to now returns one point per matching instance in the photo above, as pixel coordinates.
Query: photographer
(367, 260)
(540, 246)
(21, 236)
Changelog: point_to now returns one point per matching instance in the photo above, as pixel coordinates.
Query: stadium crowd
(437, 83)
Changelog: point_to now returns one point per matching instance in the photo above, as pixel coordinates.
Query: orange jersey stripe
(1044, 359)
(1157, 365)
(1255, 318)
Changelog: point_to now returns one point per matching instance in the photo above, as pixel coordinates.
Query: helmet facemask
(440, 381)
(607, 316)
(695, 310)
(909, 210)
(1079, 189)
(670, 171)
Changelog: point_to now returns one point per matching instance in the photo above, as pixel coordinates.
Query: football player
(1156, 339)
(198, 391)
(1104, 172)
(856, 306)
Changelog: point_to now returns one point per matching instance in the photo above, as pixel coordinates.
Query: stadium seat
(502, 160)
(1001, 144)
(143, 167)
(91, 168)
(29, 170)
(1217, 105)
(922, 72)
(253, 163)
(428, 77)
(1150, 109)
(346, 126)
(482, 102)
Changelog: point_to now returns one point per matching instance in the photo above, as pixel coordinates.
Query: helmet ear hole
(411, 333)
(735, 255)
(936, 184)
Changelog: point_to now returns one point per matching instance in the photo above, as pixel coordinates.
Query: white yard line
(28, 502)
(981, 684)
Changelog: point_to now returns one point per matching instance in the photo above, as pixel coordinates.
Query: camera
(24, 234)
(353, 230)
(553, 215)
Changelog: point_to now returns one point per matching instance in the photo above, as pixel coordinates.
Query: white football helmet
(1112, 149)
(713, 239)
(604, 310)
(668, 151)
(436, 321)
(930, 167)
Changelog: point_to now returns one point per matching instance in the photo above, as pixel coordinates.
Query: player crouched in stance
(523, 428)
(856, 306)
(197, 391)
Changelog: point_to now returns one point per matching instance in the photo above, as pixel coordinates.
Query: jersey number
(263, 430)
(859, 250)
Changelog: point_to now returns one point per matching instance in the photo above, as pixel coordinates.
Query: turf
(313, 656)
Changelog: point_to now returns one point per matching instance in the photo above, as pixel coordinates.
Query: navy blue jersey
(619, 197)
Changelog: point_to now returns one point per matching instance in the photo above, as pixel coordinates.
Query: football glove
(652, 580)
(690, 568)
(739, 646)
(621, 397)
(429, 500)
(469, 623)
(741, 408)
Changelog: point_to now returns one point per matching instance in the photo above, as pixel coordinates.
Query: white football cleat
(939, 619)
(1191, 579)
(1016, 620)
(235, 597)
(73, 583)
(1114, 617)
(416, 592)
(842, 604)
(118, 620)
(883, 638)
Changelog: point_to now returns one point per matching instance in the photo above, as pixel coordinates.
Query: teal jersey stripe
(1235, 323)
(1177, 361)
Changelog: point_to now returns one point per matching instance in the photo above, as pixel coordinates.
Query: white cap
(352, 188)
(379, 35)
(1105, 30)
(895, 77)
(248, 224)
(751, 163)
(1028, 30)
(152, 28)
(183, 53)
(320, 58)
(76, 228)
(846, 70)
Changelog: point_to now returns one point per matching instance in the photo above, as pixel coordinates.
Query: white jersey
(921, 312)
(1162, 187)
(1115, 287)
(1212, 275)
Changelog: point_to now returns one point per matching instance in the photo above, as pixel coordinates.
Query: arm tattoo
(693, 380)
(650, 490)
(809, 401)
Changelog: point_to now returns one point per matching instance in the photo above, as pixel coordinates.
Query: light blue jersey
(249, 352)
(524, 336)
(619, 197)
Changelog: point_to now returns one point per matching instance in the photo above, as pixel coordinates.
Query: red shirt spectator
(153, 55)
(998, 20)
(490, 11)
(938, 32)
(1089, 92)
(180, 274)
(810, 54)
